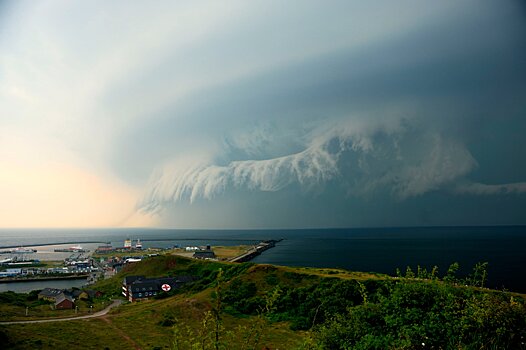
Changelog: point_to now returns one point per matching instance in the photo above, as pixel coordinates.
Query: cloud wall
(291, 113)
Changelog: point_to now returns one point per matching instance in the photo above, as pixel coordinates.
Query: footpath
(94, 315)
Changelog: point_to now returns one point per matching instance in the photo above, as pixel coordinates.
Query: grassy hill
(248, 306)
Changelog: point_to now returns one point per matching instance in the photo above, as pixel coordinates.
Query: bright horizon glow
(71, 197)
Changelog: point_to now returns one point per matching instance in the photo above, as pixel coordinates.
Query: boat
(73, 249)
(138, 245)
(22, 250)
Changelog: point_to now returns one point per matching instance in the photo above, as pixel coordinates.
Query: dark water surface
(26, 287)
(370, 249)
(383, 250)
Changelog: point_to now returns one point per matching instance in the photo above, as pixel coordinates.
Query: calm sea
(360, 249)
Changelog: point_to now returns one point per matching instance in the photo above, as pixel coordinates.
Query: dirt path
(96, 314)
(121, 333)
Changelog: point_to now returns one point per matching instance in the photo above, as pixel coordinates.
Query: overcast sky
(262, 114)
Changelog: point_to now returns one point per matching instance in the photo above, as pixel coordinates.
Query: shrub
(438, 315)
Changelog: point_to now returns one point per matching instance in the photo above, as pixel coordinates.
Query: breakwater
(46, 244)
(255, 251)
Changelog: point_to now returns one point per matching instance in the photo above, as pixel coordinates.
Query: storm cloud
(265, 114)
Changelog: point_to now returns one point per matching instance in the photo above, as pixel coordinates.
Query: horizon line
(259, 229)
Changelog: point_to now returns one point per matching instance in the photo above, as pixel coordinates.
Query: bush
(241, 296)
(167, 322)
(272, 279)
(4, 339)
(13, 298)
(435, 314)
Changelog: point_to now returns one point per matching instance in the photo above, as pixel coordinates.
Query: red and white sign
(166, 287)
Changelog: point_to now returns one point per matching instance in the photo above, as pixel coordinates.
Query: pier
(255, 251)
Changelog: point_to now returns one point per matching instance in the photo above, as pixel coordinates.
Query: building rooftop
(203, 254)
(131, 279)
(50, 292)
(61, 297)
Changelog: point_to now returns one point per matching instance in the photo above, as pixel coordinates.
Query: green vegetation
(222, 252)
(247, 306)
(27, 306)
(427, 315)
(225, 252)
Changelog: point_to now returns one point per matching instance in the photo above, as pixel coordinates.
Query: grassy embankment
(13, 306)
(147, 324)
(251, 306)
(222, 252)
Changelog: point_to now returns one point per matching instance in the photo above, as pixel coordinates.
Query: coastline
(29, 245)
(362, 249)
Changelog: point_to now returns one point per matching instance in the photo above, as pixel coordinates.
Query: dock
(255, 251)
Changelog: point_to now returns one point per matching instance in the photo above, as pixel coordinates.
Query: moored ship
(74, 249)
(22, 250)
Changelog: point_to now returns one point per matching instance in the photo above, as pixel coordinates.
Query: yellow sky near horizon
(64, 195)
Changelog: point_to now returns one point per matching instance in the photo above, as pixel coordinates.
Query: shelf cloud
(263, 113)
(364, 158)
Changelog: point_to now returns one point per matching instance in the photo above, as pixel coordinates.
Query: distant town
(106, 261)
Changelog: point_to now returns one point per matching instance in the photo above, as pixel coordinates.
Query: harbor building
(206, 253)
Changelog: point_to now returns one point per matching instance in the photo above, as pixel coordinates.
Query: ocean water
(361, 249)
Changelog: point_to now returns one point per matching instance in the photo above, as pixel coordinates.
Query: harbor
(47, 266)
(75, 264)
(28, 286)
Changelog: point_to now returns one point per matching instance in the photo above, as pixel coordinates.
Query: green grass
(295, 299)
(88, 334)
(143, 322)
(41, 309)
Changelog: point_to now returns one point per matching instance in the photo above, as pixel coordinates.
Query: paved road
(96, 314)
